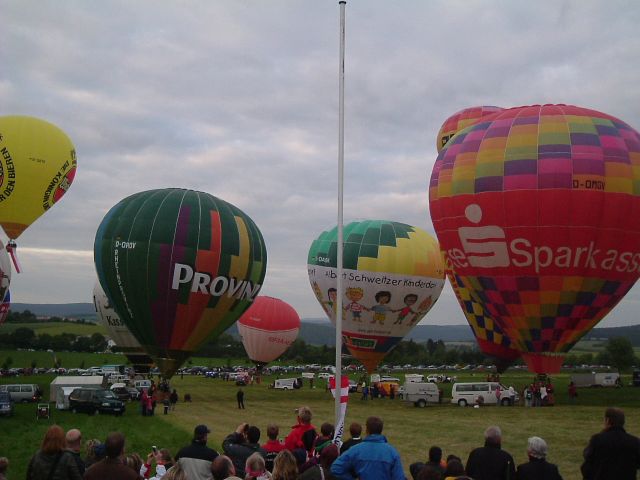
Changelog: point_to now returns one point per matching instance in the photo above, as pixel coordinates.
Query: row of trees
(25, 337)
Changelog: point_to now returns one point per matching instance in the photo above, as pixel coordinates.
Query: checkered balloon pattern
(537, 210)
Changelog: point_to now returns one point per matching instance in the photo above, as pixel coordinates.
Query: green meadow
(456, 430)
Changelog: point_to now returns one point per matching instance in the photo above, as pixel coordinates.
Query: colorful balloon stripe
(179, 266)
(538, 212)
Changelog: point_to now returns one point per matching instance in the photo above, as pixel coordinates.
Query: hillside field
(457, 430)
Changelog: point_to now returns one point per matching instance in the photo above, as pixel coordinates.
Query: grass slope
(412, 431)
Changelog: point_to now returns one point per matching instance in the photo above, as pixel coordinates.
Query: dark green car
(95, 400)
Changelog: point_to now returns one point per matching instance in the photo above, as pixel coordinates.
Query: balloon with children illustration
(393, 274)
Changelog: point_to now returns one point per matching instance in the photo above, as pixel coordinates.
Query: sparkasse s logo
(488, 246)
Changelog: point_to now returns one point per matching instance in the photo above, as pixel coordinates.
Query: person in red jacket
(298, 437)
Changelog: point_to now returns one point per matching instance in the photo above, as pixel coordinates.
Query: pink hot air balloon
(268, 328)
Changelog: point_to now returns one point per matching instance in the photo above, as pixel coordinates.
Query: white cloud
(239, 99)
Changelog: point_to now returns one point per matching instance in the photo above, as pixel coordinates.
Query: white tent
(72, 382)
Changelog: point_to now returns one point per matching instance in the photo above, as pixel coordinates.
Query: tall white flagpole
(338, 373)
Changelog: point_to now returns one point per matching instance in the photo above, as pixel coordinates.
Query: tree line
(617, 352)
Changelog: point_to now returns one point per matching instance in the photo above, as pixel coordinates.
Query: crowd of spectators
(311, 454)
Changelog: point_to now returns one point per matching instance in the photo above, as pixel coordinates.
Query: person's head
(435, 454)
(273, 431)
(255, 466)
(53, 441)
(454, 468)
(537, 448)
(493, 436)
(74, 439)
(300, 456)
(329, 455)
(253, 434)
(374, 425)
(332, 293)
(4, 464)
(90, 448)
(304, 415)
(201, 433)
(327, 430)
(133, 461)
(222, 467)
(165, 456)
(613, 417)
(114, 445)
(430, 472)
(355, 429)
(284, 466)
(175, 473)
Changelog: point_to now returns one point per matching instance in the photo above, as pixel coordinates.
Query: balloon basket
(543, 362)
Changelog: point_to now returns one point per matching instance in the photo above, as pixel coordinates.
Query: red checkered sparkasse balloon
(538, 212)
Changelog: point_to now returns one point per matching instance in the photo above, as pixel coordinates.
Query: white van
(24, 392)
(467, 393)
(286, 383)
(142, 385)
(421, 393)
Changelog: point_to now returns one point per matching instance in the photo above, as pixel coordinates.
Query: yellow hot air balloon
(37, 166)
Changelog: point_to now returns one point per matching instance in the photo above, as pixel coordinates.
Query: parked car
(95, 400)
(125, 393)
(6, 404)
(353, 386)
(23, 392)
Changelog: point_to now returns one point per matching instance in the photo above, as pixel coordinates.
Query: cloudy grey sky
(239, 99)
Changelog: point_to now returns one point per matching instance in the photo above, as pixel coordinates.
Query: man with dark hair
(491, 462)
(273, 446)
(112, 466)
(373, 458)
(612, 453)
(435, 457)
(355, 429)
(195, 459)
(222, 469)
(239, 446)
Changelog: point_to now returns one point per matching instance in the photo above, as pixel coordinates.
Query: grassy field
(456, 430)
(56, 328)
(23, 358)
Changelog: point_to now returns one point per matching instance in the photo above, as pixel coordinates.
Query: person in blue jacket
(372, 459)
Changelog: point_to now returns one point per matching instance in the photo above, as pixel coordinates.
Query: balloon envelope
(393, 275)
(268, 328)
(179, 267)
(538, 211)
(461, 120)
(37, 167)
(119, 333)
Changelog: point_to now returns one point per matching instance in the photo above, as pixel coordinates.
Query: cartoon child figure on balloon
(355, 294)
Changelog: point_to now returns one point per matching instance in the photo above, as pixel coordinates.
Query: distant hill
(69, 310)
(319, 331)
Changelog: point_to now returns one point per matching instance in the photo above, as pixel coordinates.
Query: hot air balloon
(461, 120)
(393, 275)
(37, 167)
(268, 328)
(179, 267)
(537, 209)
(5, 306)
(490, 337)
(119, 333)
